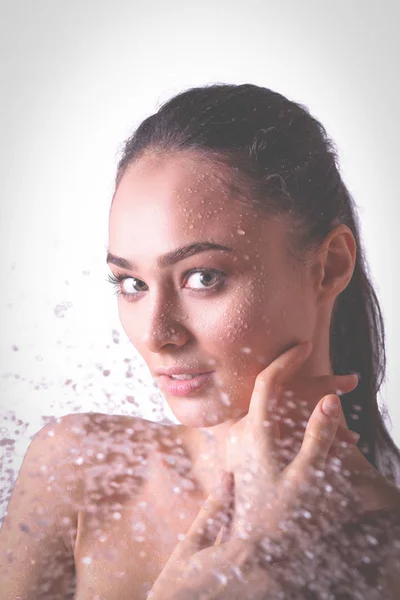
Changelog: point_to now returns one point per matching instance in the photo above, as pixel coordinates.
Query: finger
(319, 435)
(230, 562)
(210, 518)
(337, 384)
(349, 436)
(322, 385)
(267, 390)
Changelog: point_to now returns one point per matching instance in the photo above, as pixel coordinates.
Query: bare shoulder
(113, 437)
(114, 455)
(35, 536)
(75, 463)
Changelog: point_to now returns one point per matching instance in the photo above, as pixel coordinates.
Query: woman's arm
(36, 551)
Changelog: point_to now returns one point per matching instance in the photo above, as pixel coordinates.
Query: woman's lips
(183, 387)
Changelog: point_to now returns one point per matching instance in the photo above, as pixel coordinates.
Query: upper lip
(180, 371)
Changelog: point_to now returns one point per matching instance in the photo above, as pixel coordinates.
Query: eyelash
(116, 281)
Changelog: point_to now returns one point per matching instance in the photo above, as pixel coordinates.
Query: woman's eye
(130, 285)
(201, 280)
(127, 287)
(130, 288)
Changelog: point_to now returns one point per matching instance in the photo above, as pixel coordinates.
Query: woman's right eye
(127, 291)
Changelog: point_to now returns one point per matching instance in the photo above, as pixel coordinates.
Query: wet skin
(249, 305)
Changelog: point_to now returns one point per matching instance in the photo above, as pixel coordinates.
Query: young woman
(235, 251)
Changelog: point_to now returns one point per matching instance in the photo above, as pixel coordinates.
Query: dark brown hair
(283, 159)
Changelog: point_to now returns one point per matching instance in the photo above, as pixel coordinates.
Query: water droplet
(371, 539)
(366, 559)
(59, 310)
(225, 399)
(222, 578)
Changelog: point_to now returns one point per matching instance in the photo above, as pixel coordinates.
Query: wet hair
(280, 158)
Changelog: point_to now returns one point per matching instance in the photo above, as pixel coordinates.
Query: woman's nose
(164, 327)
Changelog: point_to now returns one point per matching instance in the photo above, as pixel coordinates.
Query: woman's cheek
(243, 318)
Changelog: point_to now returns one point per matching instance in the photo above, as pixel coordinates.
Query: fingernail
(223, 477)
(225, 481)
(222, 482)
(331, 406)
(353, 435)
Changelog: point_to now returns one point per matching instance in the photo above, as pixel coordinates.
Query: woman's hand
(200, 570)
(268, 490)
(259, 492)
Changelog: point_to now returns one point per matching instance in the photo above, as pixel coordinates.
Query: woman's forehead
(176, 183)
(181, 193)
(162, 205)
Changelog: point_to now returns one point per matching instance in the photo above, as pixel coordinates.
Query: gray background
(76, 78)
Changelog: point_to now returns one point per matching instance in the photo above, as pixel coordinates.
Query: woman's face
(237, 310)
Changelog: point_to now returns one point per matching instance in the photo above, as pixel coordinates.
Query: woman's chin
(198, 411)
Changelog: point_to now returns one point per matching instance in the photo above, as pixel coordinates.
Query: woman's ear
(334, 262)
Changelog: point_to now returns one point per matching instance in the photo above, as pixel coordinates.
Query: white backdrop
(76, 78)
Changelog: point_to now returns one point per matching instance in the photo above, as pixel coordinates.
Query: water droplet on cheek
(225, 399)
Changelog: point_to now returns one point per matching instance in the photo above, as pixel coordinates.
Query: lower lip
(183, 387)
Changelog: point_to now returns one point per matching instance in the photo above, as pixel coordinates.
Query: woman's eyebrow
(171, 257)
